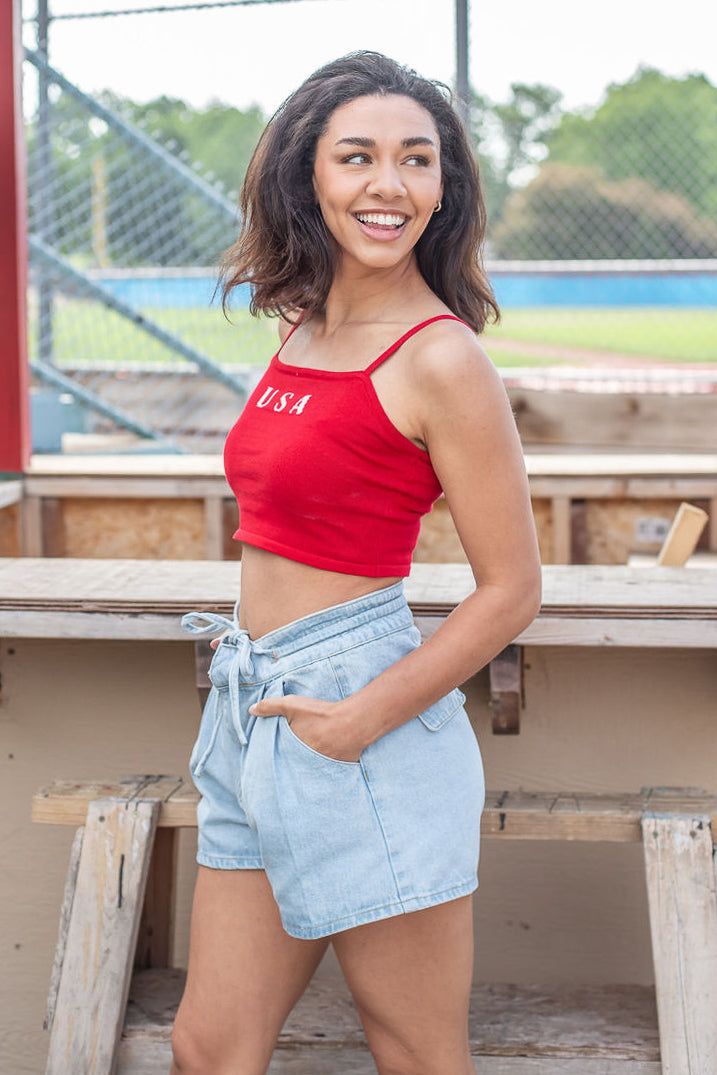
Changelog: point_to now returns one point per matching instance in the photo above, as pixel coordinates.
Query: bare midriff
(276, 590)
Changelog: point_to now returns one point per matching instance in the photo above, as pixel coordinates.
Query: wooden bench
(113, 995)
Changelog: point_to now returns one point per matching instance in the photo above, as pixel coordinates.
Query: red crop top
(322, 475)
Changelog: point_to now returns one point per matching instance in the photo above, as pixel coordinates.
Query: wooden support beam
(682, 898)
(505, 672)
(155, 941)
(562, 552)
(101, 936)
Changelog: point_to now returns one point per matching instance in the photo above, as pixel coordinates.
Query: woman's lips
(382, 232)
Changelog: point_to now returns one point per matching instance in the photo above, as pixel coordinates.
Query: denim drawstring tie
(240, 666)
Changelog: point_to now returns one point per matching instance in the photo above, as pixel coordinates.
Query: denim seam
(470, 884)
(351, 609)
(245, 862)
(321, 633)
(245, 683)
(297, 872)
(374, 638)
(446, 718)
(310, 643)
(383, 831)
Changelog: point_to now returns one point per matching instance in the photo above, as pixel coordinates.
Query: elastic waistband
(369, 611)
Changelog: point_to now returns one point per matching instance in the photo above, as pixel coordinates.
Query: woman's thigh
(410, 976)
(244, 975)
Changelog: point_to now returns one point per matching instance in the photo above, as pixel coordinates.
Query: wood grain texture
(101, 936)
(682, 897)
(580, 1023)
(507, 815)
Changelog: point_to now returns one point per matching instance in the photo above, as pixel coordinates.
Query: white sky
(260, 53)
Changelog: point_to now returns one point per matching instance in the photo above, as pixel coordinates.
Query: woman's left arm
(470, 432)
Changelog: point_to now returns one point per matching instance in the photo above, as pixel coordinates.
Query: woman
(342, 784)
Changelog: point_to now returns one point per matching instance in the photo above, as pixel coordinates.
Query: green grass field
(85, 332)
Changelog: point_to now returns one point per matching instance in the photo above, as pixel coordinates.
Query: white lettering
(267, 397)
(282, 402)
(298, 407)
(270, 394)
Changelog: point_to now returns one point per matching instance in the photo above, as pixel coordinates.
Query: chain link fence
(602, 249)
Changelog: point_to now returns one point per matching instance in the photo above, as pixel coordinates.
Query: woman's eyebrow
(369, 143)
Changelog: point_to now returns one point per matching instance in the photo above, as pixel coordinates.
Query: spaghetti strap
(394, 346)
(294, 326)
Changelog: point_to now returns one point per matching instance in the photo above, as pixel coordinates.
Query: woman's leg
(245, 975)
(410, 976)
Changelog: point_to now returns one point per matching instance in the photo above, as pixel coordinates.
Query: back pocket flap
(441, 711)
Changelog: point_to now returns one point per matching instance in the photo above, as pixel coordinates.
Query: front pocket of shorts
(317, 754)
(438, 714)
(314, 681)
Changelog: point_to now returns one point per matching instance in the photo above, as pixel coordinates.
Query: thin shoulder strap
(394, 346)
(293, 327)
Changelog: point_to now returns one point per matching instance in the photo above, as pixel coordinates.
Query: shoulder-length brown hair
(284, 249)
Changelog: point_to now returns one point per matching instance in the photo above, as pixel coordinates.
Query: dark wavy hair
(284, 249)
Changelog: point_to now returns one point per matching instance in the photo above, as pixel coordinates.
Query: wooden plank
(213, 528)
(700, 558)
(31, 526)
(10, 493)
(601, 464)
(634, 420)
(667, 633)
(156, 929)
(561, 530)
(430, 588)
(681, 541)
(612, 1022)
(682, 897)
(65, 802)
(101, 937)
(508, 814)
(128, 488)
(623, 488)
(53, 529)
(573, 463)
(119, 465)
(571, 485)
(65, 913)
(155, 1058)
(505, 674)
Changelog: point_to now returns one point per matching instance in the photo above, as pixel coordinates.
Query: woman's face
(378, 155)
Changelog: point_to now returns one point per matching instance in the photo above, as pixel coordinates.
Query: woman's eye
(423, 160)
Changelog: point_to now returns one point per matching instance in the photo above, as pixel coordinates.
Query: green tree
(505, 137)
(220, 139)
(572, 211)
(652, 127)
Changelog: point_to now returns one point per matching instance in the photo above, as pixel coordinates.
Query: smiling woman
(393, 120)
(341, 781)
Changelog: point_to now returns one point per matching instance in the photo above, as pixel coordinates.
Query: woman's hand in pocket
(319, 724)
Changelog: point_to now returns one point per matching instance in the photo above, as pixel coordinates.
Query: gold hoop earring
(437, 207)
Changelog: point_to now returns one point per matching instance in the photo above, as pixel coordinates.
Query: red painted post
(15, 440)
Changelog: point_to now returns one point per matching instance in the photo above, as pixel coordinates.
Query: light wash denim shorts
(342, 842)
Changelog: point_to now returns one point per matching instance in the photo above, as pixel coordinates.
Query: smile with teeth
(382, 220)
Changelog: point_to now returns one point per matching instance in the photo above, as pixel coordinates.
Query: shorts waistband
(389, 601)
